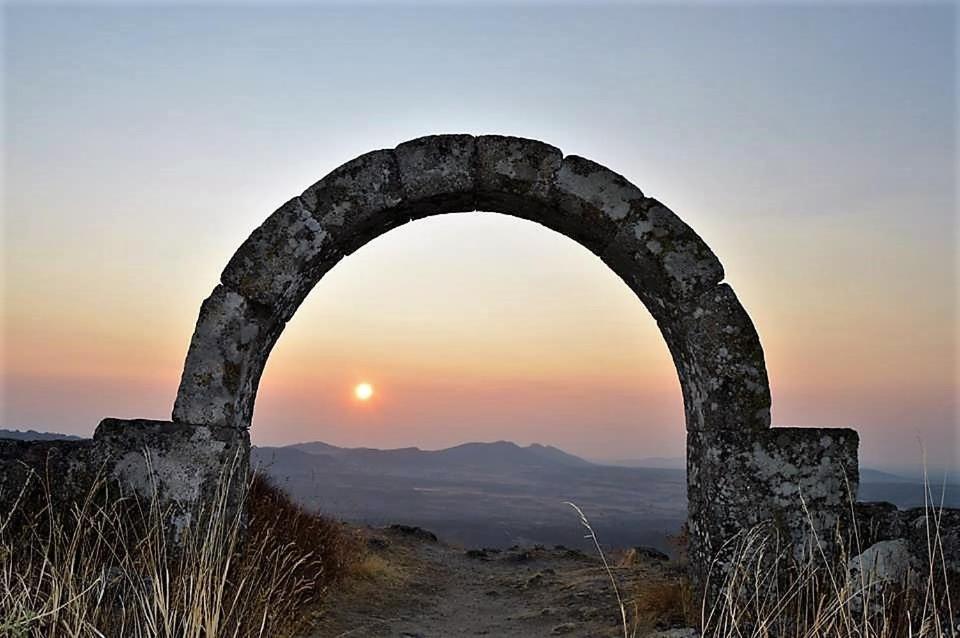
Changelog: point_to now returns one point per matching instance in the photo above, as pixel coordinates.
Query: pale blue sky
(813, 147)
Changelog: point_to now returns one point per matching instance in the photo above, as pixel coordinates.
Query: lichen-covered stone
(282, 260)
(661, 258)
(229, 348)
(804, 480)
(516, 176)
(359, 200)
(182, 466)
(437, 174)
(719, 359)
(593, 201)
(33, 471)
(886, 562)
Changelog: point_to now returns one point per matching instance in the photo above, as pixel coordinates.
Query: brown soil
(414, 587)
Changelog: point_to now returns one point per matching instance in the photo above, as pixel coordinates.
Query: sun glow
(363, 391)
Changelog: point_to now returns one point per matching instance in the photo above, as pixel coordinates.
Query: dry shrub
(335, 548)
(660, 603)
(104, 566)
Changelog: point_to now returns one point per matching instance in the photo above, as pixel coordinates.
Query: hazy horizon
(813, 148)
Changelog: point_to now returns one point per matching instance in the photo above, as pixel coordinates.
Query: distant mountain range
(499, 494)
(489, 456)
(483, 494)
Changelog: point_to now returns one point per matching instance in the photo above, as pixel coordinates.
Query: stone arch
(713, 343)
(740, 472)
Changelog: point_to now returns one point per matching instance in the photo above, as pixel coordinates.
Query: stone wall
(185, 467)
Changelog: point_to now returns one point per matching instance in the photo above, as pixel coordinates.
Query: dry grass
(769, 593)
(105, 567)
(658, 603)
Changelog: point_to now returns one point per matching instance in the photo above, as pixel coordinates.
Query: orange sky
(482, 326)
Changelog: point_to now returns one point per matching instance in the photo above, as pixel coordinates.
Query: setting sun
(363, 391)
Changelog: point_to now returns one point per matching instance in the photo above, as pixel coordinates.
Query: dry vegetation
(105, 568)
(771, 594)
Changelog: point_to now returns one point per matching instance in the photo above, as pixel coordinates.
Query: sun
(363, 391)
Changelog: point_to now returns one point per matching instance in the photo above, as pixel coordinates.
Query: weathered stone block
(359, 200)
(719, 359)
(804, 480)
(33, 471)
(185, 467)
(229, 348)
(516, 176)
(661, 258)
(594, 202)
(282, 260)
(437, 174)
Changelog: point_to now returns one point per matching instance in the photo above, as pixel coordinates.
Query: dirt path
(416, 587)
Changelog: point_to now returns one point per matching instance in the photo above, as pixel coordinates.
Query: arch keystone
(437, 174)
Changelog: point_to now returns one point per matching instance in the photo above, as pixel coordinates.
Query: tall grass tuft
(106, 566)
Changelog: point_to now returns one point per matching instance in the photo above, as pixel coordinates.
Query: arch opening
(474, 326)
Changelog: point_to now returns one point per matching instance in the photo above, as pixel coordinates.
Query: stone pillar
(185, 467)
(802, 480)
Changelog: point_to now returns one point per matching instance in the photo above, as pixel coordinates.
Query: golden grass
(105, 567)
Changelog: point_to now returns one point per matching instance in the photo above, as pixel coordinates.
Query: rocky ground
(414, 586)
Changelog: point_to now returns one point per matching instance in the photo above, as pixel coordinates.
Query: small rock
(883, 564)
(686, 632)
(565, 628)
(886, 562)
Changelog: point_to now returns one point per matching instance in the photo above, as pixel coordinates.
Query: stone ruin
(740, 471)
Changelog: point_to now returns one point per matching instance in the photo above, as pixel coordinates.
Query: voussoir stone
(282, 259)
(230, 345)
(358, 200)
(661, 258)
(594, 202)
(516, 176)
(720, 362)
(437, 174)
